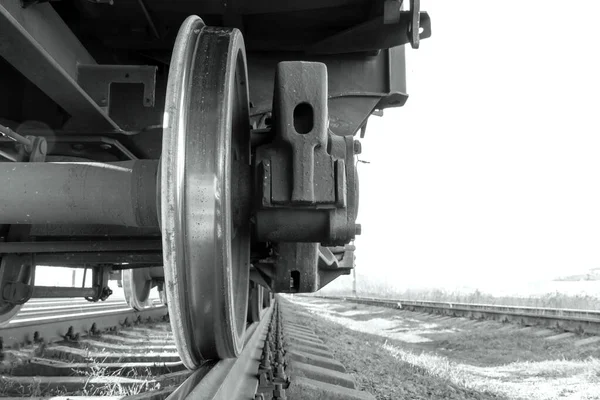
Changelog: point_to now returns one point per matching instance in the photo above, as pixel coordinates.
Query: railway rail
(106, 350)
(52, 320)
(568, 320)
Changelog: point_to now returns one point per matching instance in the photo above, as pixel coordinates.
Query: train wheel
(205, 192)
(136, 286)
(13, 270)
(255, 302)
(7, 312)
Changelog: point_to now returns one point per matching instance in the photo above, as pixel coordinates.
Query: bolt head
(357, 229)
(43, 147)
(357, 147)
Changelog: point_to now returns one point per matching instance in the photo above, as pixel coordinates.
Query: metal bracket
(415, 23)
(37, 149)
(391, 11)
(98, 148)
(100, 277)
(304, 267)
(301, 121)
(96, 80)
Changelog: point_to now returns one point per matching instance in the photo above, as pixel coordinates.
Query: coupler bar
(82, 260)
(80, 246)
(119, 193)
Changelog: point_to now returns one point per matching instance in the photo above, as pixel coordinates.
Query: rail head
(234, 378)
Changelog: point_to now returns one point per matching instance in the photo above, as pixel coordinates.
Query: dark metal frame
(38, 43)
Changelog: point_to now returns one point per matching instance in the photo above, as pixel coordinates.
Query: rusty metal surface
(579, 321)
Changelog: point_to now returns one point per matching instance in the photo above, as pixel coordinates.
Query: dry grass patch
(470, 363)
(377, 371)
(543, 380)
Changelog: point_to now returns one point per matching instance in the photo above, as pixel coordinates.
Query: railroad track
(567, 320)
(51, 320)
(105, 350)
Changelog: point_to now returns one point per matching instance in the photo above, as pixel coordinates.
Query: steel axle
(120, 193)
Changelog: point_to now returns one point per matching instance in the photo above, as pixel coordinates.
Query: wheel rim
(205, 168)
(11, 269)
(7, 312)
(136, 287)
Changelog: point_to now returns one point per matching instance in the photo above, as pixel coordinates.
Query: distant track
(578, 321)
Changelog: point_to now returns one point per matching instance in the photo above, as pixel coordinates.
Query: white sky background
(491, 172)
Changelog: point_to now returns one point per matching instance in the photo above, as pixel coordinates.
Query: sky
(491, 171)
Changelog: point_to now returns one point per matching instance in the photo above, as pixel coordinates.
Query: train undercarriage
(213, 157)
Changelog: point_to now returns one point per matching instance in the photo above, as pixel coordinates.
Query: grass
(377, 371)
(531, 380)
(92, 386)
(116, 389)
(505, 347)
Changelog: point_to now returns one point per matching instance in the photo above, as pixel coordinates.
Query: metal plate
(205, 173)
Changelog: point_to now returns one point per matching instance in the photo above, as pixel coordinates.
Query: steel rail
(230, 378)
(570, 320)
(234, 378)
(36, 324)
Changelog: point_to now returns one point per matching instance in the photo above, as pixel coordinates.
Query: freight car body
(211, 156)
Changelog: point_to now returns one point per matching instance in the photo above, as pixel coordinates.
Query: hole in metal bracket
(295, 280)
(303, 118)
